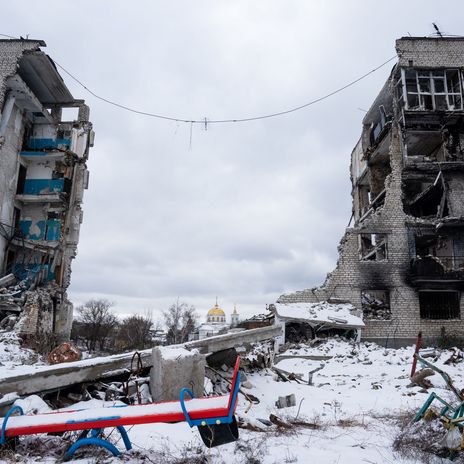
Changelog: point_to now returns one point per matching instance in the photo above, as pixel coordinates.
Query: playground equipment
(448, 412)
(451, 416)
(214, 417)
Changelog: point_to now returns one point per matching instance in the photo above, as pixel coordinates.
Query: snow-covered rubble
(329, 314)
(348, 415)
(13, 355)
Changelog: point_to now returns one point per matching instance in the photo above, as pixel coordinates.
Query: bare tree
(97, 322)
(180, 320)
(135, 331)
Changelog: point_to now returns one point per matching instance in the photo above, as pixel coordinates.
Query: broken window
(426, 200)
(439, 305)
(431, 90)
(375, 304)
(21, 179)
(372, 247)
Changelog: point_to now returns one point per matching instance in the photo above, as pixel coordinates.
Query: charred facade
(43, 154)
(402, 260)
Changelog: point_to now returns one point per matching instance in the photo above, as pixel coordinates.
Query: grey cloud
(253, 209)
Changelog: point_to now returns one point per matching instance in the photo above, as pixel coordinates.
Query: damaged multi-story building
(401, 260)
(43, 174)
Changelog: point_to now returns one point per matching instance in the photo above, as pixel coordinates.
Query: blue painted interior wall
(38, 186)
(48, 230)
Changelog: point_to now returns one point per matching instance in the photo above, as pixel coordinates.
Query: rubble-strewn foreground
(354, 411)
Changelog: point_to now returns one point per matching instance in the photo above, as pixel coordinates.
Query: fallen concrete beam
(233, 340)
(49, 378)
(40, 379)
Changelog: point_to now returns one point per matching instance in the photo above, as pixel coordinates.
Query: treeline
(97, 328)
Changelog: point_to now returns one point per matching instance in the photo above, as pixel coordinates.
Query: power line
(206, 121)
(224, 121)
(8, 36)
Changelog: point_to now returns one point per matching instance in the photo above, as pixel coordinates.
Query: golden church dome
(216, 311)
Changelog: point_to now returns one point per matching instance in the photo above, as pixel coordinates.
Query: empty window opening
(297, 332)
(364, 198)
(375, 304)
(431, 90)
(372, 247)
(69, 114)
(379, 129)
(425, 143)
(377, 176)
(439, 305)
(452, 141)
(16, 219)
(427, 200)
(21, 179)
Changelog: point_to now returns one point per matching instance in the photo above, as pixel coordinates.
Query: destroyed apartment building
(402, 260)
(43, 173)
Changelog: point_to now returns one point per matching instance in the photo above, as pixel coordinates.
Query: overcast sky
(242, 211)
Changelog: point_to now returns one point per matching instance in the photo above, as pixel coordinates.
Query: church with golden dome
(216, 314)
(216, 323)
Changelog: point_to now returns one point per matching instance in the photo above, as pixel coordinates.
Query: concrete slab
(174, 368)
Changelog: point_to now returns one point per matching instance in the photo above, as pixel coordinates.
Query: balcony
(437, 271)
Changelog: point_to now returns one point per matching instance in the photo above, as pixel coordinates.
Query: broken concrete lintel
(52, 378)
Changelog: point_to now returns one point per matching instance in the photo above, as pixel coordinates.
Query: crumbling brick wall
(10, 53)
(353, 275)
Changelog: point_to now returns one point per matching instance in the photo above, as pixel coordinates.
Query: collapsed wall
(43, 175)
(402, 261)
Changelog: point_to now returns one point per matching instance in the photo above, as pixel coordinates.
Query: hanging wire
(205, 121)
(230, 120)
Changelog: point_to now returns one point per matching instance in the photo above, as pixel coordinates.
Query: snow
(175, 352)
(322, 312)
(12, 355)
(353, 406)
(33, 404)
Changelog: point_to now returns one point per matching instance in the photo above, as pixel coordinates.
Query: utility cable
(206, 121)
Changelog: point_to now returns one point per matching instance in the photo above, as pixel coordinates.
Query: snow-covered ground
(350, 414)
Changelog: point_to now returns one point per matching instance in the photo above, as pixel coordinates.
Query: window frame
(430, 76)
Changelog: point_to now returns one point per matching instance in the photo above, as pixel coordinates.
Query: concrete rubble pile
(30, 311)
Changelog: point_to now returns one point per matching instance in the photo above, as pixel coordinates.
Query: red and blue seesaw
(213, 415)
